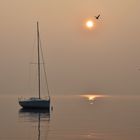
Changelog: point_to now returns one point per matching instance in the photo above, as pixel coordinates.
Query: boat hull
(35, 104)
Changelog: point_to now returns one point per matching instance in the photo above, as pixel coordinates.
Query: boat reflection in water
(39, 119)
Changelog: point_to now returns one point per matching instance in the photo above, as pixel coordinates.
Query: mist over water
(77, 117)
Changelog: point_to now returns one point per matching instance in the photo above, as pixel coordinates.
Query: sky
(105, 60)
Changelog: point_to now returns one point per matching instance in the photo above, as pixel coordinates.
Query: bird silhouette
(97, 17)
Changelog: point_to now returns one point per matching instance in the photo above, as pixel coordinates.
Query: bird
(97, 17)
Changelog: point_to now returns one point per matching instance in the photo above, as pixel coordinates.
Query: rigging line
(44, 69)
(31, 83)
(38, 47)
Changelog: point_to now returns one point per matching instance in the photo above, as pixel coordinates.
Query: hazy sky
(104, 60)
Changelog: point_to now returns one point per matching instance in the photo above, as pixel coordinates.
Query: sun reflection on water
(91, 98)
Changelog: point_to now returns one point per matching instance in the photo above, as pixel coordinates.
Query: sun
(90, 24)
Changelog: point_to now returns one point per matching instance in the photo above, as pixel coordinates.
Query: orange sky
(103, 60)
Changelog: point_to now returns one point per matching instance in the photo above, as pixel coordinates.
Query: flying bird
(97, 17)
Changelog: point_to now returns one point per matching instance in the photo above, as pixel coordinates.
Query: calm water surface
(73, 118)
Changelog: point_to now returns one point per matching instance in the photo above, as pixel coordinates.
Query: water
(73, 118)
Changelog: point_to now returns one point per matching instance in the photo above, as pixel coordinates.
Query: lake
(77, 117)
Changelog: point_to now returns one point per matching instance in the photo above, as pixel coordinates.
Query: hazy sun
(90, 24)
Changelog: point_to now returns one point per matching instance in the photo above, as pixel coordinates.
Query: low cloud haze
(105, 60)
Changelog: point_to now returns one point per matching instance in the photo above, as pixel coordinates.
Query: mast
(38, 47)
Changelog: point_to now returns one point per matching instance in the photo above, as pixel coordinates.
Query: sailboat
(37, 102)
